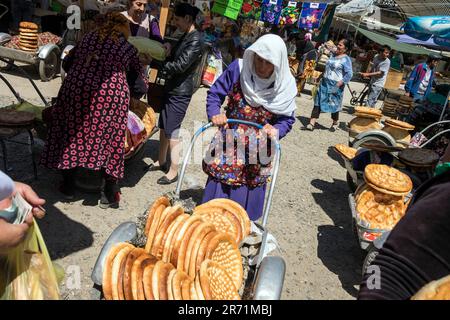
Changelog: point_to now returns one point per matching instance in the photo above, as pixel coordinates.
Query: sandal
(310, 127)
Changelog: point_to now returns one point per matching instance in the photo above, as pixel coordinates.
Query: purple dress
(251, 198)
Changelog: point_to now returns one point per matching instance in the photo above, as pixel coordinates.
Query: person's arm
(284, 124)
(155, 33)
(220, 89)
(185, 60)
(384, 69)
(136, 79)
(348, 71)
(68, 60)
(412, 76)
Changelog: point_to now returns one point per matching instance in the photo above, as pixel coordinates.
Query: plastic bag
(213, 68)
(27, 272)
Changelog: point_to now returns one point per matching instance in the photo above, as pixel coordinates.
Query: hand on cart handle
(219, 120)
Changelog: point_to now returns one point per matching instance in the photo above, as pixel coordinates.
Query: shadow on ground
(338, 248)
(332, 153)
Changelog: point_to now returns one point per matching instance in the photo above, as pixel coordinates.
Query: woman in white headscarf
(260, 89)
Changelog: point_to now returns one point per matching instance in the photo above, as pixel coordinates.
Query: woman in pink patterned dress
(89, 119)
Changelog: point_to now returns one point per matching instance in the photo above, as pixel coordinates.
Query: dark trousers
(316, 113)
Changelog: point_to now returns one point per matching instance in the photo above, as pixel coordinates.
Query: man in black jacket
(418, 249)
(179, 72)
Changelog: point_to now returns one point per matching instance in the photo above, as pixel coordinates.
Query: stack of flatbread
(196, 256)
(365, 119)
(419, 158)
(130, 273)
(380, 202)
(389, 108)
(399, 130)
(28, 36)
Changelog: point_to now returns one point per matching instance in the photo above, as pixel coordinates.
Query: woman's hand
(270, 130)
(219, 120)
(32, 198)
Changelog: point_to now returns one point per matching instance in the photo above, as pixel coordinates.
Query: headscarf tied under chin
(276, 94)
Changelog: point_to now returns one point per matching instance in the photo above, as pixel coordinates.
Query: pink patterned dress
(89, 120)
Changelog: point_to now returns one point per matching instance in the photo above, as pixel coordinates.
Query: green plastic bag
(147, 46)
(27, 272)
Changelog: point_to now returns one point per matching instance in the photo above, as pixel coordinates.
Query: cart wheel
(370, 257)
(48, 67)
(351, 184)
(378, 138)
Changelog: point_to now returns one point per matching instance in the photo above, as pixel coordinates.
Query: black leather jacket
(179, 69)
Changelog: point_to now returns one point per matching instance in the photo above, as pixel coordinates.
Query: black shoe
(67, 191)
(109, 196)
(164, 180)
(152, 167)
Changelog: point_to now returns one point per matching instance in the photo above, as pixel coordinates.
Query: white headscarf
(279, 98)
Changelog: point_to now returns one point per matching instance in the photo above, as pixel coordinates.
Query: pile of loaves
(186, 257)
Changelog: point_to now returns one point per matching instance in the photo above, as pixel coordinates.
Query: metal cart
(265, 277)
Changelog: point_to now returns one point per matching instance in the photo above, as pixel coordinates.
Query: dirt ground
(310, 216)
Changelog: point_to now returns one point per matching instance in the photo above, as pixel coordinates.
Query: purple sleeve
(284, 124)
(220, 89)
(155, 33)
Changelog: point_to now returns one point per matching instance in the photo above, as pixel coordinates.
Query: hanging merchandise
(213, 68)
(251, 9)
(289, 14)
(228, 8)
(250, 32)
(311, 15)
(271, 11)
(205, 9)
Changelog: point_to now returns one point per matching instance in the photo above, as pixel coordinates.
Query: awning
(392, 42)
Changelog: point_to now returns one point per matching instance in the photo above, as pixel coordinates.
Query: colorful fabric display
(289, 14)
(271, 11)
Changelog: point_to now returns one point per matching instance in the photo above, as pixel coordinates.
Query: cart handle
(434, 124)
(274, 175)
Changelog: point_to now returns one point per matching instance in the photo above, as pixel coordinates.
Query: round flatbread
(224, 221)
(194, 245)
(118, 269)
(419, 156)
(380, 210)
(30, 43)
(147, 282)
(151, 211)
(192, 292)
(182, 251)
(233, 207)
(346, 151)
(107, 268)
(137, 274)
(198, 288)
(181, 238)
(159, 280)
(368, 116)
(154, 227)
(170, 284)
(171, 232)
(387, 178)
(177, 285)
(186, 289)
(168, 217)
(223, 250)
(28, 25)
(435, 290)
(202, 250)
(216, 283)
(400, 124)
(364, 124)
(127, 286)
(368, 111)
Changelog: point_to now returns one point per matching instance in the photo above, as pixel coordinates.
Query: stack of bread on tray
(365, 119)
(186, 257)
(28, 36)
(380, 202)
